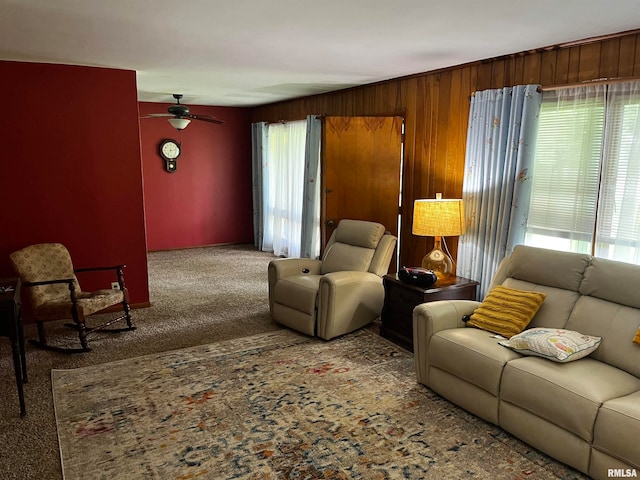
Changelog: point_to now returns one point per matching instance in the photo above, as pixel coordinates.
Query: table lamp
(438, 218)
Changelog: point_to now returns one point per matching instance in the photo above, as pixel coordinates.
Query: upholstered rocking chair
(47, 272)
(340, 293)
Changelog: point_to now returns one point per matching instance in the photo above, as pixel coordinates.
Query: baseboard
(203, 246)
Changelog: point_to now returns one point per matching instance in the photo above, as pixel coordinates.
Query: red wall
(72, 170)
(208, 200)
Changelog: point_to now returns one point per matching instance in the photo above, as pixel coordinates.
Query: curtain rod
(599, 81)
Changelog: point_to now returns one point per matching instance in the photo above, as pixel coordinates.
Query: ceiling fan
(181, 115)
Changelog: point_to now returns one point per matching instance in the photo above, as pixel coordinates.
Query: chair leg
(127, 315)
(81, 325)
(125, 305)
(42, 343)
(42, 336)
(125, 299)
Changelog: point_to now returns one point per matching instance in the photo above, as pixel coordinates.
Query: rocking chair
(47, 273)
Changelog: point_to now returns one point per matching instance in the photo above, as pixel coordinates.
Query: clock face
(170, 149)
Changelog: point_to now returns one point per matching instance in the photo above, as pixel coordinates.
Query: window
(585, 192)
(283, 188)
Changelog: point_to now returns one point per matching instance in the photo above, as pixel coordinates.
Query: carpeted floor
(199, 296)
(277, 405)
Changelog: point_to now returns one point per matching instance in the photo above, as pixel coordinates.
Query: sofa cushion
(566, 394)
(616, 324)
(470, 354)
(557, 305)
(613, 281)
(506, 311)
(553, 344)
(617, 428)
(541, 266)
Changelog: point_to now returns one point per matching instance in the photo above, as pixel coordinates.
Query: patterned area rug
(277, 406)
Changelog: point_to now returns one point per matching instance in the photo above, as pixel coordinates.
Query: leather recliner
(340, 293)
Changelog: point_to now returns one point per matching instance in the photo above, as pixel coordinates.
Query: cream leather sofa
(339, 293)
(585, 413)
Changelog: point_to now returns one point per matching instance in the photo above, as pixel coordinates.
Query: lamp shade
(179, 123)
(438, 217)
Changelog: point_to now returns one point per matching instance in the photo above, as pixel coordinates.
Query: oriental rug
(277, 405)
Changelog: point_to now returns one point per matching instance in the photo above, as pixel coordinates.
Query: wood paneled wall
(436, 108)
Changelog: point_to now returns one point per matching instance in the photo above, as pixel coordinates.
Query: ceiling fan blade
(156, 115)
(205, 118)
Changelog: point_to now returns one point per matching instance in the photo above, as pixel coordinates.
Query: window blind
(566, 168)
(586, 172)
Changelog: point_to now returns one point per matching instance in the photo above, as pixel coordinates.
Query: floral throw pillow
(555, 344)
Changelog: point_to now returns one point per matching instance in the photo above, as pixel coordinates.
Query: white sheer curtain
(618, 226)
(585, 194)
(564, 192)
(283, 178)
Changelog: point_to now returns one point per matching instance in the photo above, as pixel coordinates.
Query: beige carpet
(198, 296)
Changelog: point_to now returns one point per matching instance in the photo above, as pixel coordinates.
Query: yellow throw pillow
(636, 339)
(506, 311)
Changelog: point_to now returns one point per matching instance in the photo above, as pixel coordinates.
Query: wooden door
(362, 162)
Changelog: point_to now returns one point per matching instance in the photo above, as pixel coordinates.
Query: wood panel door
(362, 163)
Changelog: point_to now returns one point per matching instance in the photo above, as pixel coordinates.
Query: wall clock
(170, 151)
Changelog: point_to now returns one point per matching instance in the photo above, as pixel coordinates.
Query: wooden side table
(401, 298)
(11, 326)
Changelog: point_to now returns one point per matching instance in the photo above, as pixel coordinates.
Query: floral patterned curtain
(500, 145)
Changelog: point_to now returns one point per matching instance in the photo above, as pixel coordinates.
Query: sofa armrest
(430, 318)
(347, 301)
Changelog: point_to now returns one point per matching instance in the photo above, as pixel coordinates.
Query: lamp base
(439, 262)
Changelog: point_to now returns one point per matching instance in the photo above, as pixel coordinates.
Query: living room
(86, 170)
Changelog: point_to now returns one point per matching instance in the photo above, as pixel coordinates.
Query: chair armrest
(119, 274)
(430, 318)
(348, 300)
(94, 269)
(48, 282)
(285, 267)
(345, 278)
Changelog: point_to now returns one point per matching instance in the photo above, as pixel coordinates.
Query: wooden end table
(401, 298)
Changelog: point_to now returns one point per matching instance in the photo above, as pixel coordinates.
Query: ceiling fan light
(179, 123)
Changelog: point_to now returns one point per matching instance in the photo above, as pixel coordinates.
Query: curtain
(618, 218)
(310, 234)
(259, 133)
(567, 163)
(586, 188)
(500, 141)
(283, 177)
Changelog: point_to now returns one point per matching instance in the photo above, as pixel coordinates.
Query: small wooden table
(401, 298)
(11, 326)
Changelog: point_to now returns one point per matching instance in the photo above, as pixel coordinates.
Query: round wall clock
(170, 151)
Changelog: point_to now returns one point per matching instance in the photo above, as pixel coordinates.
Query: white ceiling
(253, 52)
